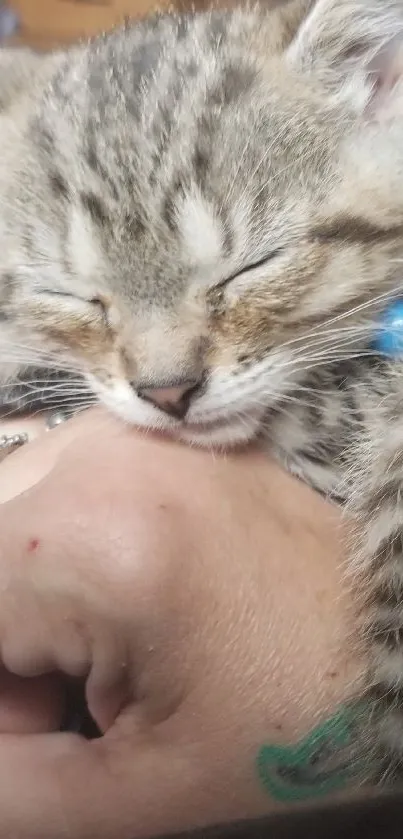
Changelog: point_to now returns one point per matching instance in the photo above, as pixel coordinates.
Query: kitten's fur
(141, 171)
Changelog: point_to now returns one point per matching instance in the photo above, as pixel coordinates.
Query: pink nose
(173, 400)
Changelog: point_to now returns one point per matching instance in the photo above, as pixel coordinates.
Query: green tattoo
(318, 765)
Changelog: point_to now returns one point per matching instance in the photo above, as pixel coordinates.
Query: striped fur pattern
(216, 198)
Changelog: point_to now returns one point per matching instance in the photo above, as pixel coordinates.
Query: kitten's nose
(173, 399)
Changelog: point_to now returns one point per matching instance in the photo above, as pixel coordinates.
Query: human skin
(203, 599)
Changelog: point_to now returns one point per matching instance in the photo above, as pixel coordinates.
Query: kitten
(203, 216)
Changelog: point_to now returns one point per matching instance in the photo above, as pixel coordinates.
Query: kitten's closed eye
(247, 268)
(94, 304)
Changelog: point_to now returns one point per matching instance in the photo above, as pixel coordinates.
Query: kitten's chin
(221, 435)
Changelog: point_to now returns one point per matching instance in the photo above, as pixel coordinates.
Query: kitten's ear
(355, 48)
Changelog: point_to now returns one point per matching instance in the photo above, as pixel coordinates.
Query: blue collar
(389, 338)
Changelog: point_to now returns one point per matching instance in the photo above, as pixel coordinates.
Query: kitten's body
(215, 203)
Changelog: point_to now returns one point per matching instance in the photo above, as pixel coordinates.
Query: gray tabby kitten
(203, 216)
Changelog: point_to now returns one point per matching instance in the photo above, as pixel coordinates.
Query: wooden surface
(47, 23)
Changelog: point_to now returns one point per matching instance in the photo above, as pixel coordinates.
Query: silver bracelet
(9, 443)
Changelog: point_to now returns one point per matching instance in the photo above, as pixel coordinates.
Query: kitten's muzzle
(174, 400)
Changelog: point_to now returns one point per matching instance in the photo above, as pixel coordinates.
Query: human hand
(202, 599)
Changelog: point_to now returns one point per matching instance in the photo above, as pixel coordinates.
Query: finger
(32, 426)
(32, 463)
(30, 706)
(101, 654)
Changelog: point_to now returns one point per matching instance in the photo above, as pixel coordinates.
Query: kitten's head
(213, 194)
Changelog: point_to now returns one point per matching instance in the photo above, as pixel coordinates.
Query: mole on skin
(33, 545)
